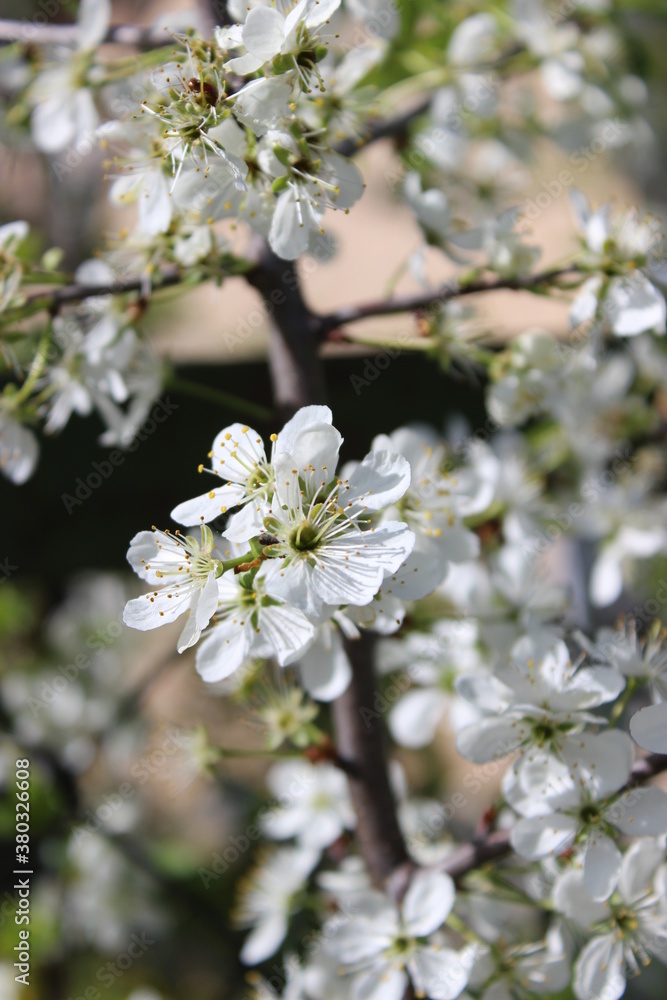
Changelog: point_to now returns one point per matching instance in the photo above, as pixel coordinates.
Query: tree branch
(63, 294)
(496, 845)
(298, 379)
(389, 128)
(361, 743)
(297, 374)
(428, 300)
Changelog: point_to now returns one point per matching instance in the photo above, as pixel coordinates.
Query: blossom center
(305, 537)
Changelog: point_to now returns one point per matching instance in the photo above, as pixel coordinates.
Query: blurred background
(129, 819)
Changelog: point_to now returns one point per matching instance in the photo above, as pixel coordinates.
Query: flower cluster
(305, 549)
(465, 566)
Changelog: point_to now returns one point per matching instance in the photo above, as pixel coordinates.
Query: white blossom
(314, 804)
(389, 946)
(267, 899)
(189, 568)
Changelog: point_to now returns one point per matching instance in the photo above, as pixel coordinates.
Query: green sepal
(282, 155)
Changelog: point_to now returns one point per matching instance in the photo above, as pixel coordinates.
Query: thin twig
(496, 845)
(53, 298)
(427, 300)
(389, 128)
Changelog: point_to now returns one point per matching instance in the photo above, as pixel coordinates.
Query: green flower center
(305, 537)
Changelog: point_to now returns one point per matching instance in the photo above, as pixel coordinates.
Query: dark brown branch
(390, 128)
(297, 374)
(496, 845)
(298, 379)
(361, 743)
(61, 295)
(428, 300)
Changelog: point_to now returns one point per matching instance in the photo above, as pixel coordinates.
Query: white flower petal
(263, 32)
(157, 608)
(414, 719)
(427, 903)
(293, 219)
(93, 17)
(571, 899)
(286, 630)
(601, 763)
(264, 940)
(325, 671)
(598, 972)
(440, 973)
(379, 481)
(641, 862)
(601, 867)
(376, 985)
(223, 651)
(637, 306)
(209, 505)
(261, 104)
(543, 835)
(640, 812)
(490, 739)
(648, 728)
